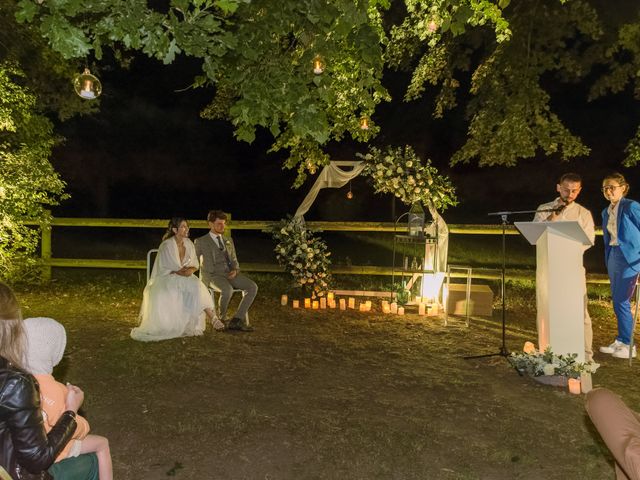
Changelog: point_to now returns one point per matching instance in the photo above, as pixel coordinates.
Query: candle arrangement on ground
(424, 307)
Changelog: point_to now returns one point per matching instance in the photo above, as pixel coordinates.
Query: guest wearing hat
(46, 340)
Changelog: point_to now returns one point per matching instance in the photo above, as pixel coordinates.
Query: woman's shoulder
(18, 387)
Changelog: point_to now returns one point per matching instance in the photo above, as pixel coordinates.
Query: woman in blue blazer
(621, 231)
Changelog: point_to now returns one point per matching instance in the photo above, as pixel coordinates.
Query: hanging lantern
(349, 193)
(87, 86)
(318, 65)
(364, 123)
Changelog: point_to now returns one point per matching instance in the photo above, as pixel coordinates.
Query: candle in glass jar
(352, 302)
(400, 310)
(574, 386)
(422, 309)
(393, 307)
(284, 300)
(296, 303)
(323, 302)
(343, 304)
(307, 303)
(315, 304)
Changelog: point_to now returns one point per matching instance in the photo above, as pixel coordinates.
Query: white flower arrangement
(303, 255)
(548, 363)
(399, 171)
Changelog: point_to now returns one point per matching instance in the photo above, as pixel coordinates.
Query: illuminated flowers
(399, 171)
(303, 255)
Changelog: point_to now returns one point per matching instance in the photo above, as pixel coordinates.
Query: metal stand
(503, 352)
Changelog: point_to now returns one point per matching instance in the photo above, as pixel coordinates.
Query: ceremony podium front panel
(560, 284)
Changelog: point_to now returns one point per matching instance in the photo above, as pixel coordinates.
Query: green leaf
(26, 11)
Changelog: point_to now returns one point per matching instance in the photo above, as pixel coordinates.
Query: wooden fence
(50, 261)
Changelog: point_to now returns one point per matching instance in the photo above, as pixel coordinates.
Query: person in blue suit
(621, 231)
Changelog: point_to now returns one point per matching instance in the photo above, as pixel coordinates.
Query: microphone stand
(503, 352)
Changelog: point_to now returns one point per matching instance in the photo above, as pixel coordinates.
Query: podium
(560, 284)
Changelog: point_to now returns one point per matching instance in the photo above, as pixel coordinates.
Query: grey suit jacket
(214, 261)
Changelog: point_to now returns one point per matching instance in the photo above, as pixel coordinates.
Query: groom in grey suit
(220, 268)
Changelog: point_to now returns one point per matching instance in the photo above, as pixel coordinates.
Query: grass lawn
(324, 394)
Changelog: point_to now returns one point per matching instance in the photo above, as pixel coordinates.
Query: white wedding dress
(172, 305)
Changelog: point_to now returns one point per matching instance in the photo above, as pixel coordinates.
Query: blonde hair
(618, 177)
(12, 339)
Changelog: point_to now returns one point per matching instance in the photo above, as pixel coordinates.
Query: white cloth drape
(332, 176)
(172, 305)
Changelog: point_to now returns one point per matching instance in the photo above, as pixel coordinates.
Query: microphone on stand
(559, 209)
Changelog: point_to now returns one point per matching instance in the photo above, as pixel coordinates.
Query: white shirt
(612, 224)
(573, 212)
(215, 239)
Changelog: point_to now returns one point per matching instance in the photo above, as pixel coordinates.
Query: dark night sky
(147, 154)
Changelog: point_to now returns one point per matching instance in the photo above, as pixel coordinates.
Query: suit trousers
(226, 286)
(623, 281)
(619, 427)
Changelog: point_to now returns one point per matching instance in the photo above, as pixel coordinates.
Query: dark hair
(570, 177)
(216, 214)
(173, 223)
(618, 177)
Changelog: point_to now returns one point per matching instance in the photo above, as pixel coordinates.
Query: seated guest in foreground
(175, 302)
(619, 427)
(46, 341)
(25, 447)
(221, 269)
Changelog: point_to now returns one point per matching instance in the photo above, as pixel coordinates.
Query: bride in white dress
(175, 302)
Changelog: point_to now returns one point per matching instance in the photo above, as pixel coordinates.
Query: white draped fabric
(332, 176)
(172, 305)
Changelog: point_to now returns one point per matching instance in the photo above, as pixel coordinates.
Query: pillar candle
(307, 303)
(418, 300)
(368, 304)
(433, 309)
(296, 303)
(400, 310)
(574, 385)
(362, 307)
(323, 302)
(421, 309)
(529, 347)
(394, 307)
(284, 300)
(352, 302)
(343, 304)
(385, 307)
(332, 303)
(315, 305)
(330, 296)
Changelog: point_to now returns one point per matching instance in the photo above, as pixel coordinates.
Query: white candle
(352, 302)
(400, 310)
(284, 300)
(343, 304)
(549, 369)
(574, 386)
(323, 302)
(422, 309)
(315, 305)
(385, 307)
(296, 303)
(363, 307)
(330, 296)
(332, 303)
(394, 307)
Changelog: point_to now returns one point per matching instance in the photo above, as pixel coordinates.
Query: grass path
(323, 395)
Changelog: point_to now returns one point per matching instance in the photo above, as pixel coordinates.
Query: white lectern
(560, 284)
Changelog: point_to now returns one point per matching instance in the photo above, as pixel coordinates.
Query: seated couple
(175, 302)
